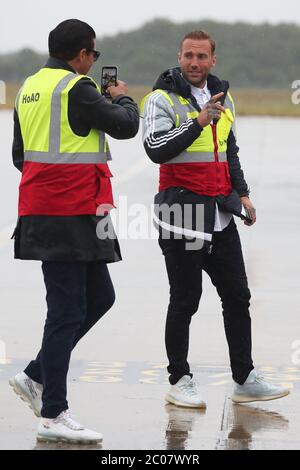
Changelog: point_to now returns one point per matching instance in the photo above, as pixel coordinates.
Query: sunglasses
(95, 53)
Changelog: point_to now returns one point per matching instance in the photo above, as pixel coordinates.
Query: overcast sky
(26, 23)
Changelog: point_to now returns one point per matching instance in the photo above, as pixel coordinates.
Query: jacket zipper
(216, 151)
(214, 131)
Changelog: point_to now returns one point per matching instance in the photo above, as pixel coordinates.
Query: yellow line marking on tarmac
(97, 379)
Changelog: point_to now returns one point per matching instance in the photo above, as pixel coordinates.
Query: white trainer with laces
(185, 393)
(257, 389)
(29, 391)
(65, 428)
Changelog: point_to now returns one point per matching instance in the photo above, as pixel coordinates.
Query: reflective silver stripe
(197, 157)
(55, 119)
(54, 155)
(63, 158)
(222, 156)
(229, 104)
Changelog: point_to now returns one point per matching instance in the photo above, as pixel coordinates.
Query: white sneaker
(29, 391)
(64, 428)
(257, 389)
(185, 393)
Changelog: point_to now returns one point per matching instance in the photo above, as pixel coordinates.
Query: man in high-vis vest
(60, 146)
(189, 129)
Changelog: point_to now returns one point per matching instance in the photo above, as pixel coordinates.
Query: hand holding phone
(248, 211)
(109, 77)
(248, 216)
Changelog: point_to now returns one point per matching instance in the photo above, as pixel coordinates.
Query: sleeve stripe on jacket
(156, 142)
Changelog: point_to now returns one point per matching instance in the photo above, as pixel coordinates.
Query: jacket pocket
(104, 196)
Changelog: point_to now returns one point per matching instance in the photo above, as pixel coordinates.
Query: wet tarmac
(126, 403)
(117, 379)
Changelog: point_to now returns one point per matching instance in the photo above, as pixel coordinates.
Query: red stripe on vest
(208, 179)
(64, 189)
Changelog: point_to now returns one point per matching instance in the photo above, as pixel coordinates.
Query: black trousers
(78, 295)
(225, 266)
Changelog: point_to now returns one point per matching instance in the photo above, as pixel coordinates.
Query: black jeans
(78, 295)
(225, 266)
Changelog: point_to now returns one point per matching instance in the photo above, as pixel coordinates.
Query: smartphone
(109, 77)
(247, 216)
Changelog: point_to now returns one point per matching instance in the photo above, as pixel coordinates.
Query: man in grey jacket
(189, 130)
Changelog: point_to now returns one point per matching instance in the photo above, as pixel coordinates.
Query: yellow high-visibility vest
(203, 149)
(42, 107)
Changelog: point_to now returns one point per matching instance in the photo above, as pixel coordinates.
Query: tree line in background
(249, 56)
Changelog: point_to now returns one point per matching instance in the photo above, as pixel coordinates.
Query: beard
(198, 80)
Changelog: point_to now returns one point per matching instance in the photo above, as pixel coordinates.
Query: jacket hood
(172, 80)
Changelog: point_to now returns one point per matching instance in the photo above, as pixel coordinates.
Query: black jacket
(73, 238)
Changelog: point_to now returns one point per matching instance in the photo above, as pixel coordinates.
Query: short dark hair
(200, 36)
(69, 37)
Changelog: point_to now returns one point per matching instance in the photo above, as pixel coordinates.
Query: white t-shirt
(202, 96)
